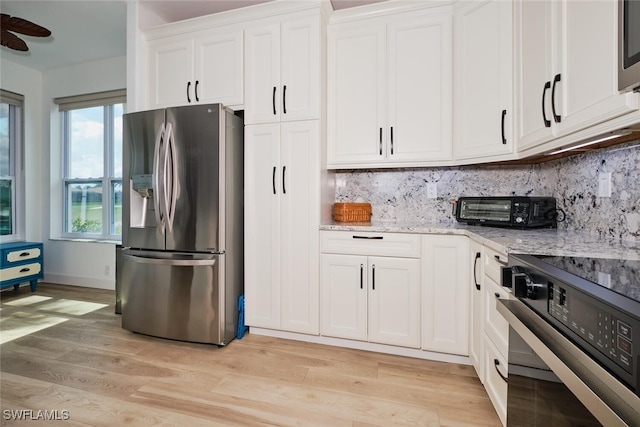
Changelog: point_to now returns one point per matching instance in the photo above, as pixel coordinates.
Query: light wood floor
(64, 350)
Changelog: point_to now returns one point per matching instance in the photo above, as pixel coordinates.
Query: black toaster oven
(507, 211)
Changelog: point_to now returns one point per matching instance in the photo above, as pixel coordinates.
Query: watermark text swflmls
(34, 415)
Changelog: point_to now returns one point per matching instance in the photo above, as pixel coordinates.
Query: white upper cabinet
(390, 90)
(566, 68)
(483, 81)
(282, 70)
(200, 67)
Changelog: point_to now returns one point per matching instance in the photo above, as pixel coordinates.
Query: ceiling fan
(12, 24)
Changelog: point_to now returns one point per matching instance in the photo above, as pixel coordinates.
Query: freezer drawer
(174, 295)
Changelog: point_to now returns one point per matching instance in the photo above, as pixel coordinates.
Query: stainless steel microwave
(508, 211)
(629, 45)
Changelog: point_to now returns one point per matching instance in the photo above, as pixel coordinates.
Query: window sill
(77, 240)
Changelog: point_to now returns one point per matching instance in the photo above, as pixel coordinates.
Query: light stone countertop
(509, 240)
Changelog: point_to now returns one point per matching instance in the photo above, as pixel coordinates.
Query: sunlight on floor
(72, 307)
(22, 323)
(16, 324)
(33, 299)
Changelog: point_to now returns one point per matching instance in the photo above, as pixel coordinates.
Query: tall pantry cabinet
(283, 59)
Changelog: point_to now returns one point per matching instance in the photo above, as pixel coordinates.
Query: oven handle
(610, 401)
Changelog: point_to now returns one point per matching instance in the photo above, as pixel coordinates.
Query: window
(11, 170)
(92, 181)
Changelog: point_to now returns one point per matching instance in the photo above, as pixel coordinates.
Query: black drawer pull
(475, 263)
(369, 237)
(496, 362)
(23, 254)
(497, 295)
(497, 258)
(24, 270)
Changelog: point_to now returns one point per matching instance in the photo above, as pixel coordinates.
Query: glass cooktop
(619, 275)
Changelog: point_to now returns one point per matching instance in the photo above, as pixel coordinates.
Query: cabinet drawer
(493, 263)
(20, 271)
(22, 255)
(495, 326)
(367, 243)
(495, 368)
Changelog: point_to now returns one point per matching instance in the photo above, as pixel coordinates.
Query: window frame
(108, 101)
(16, 174)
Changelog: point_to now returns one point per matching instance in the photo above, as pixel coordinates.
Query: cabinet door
(419, 89)
(262, 74)
(300, 69)
(394, 301)
(483, 79)
(170, 72)
(299, 209)
(344, 296)
(445, 294)
(219, 68)
(534, 23)
(262, 226)
(588, 88)
(356, 95)
(476, 326)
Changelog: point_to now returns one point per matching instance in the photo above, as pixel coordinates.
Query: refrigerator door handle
(171, 182)
(158, 192)
(169, 261)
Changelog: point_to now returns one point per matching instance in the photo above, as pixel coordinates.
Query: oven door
(554, 383)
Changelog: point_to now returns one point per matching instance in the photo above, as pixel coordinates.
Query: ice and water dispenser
(142, 205)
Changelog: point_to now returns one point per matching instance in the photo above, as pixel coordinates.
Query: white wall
(79, 263)
(28, 82)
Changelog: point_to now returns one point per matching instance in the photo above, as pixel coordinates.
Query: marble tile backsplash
(401, 194)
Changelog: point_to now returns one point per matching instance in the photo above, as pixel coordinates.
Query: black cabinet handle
(373, 277)
(381, 141)
(24, 254)
(369, 237)
(497, 295)
(284, 99)
(361, 276)
(24, 270)
(497, 258)
(496, 363)
(284, 189)
(556, 117)
(273, 180)
(392, 140)
(504, 114)
(475, 264)
(273, 100)
(196, 91)
(547, 123)
(188, 90)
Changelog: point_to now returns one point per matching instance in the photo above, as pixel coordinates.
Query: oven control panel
(600, 327)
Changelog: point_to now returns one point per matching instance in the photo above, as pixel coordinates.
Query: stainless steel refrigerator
(181, 269)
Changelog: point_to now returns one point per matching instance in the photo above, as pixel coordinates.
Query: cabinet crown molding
(389, 7)
(263, 11)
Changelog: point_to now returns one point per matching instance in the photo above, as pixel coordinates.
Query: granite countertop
(531, 241)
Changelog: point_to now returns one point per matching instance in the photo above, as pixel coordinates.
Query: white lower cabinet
(366, 295)
(495, 379)
(445, 294)
(375, 299)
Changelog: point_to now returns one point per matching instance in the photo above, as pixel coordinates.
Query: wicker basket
(352, 212)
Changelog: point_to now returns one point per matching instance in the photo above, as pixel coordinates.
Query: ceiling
(90, 30)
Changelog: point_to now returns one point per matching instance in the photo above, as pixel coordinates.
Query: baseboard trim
(86, 282)
(366, 346)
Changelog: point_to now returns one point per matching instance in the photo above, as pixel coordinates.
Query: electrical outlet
(604, 184)
(432, 190)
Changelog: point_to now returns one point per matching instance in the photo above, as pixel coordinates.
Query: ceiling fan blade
(12, 41)
(22, 26)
